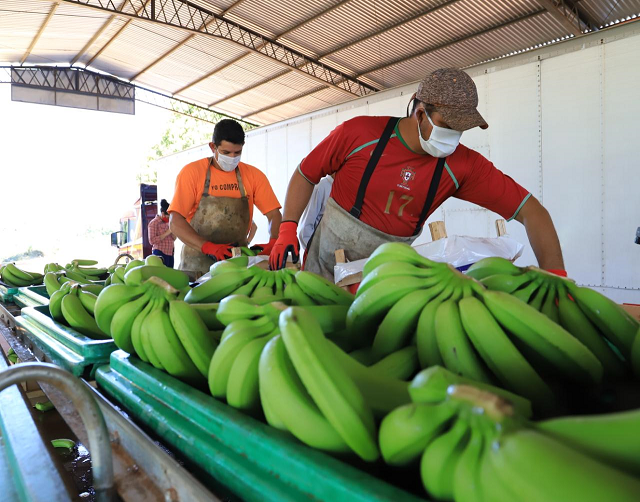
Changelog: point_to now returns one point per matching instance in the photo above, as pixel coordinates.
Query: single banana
(88, 300)
(147, 336)
(110, 300)
(194, 335)
(298, 297)
(501, 355)
(611, 438)
(407, 430)
(260, 326)
(560, 349)
(123, 320)
(466, 477)
(396, 252)
(129, 266)
(429, 276)
(242, 386)
(400, 322)
(154, 260)
(249, 287)
(96, 289)
(51, 283)
(289, 402)
(608, 316)
(168, 348)
(456, 350)
(401, 365)
(87, 263)
(321, 290)
(176, 278)
(440, 459)
(79, 319)
(335, 393)
(549, 307)
(136, 331)
(492, 266)
(576, 322)
(55, 303)
(215, 289)
(426, 341)
(506, 283)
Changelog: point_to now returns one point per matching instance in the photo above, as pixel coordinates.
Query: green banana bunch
(397, 252)
(593, 319)
(219, 286)
(328, 383)
(110, 299)
(77, 315)
(322, 291)
(16, 277)
(137, 275)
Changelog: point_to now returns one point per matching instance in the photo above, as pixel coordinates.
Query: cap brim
(462, 119)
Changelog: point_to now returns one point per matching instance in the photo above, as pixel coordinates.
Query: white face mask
(442, 142)
(227, 163)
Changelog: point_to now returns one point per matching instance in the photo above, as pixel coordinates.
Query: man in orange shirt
(212, 207)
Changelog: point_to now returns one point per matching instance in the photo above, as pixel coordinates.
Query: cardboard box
(632, 309)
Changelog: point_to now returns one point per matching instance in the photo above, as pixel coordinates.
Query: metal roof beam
(185, 15)
(350, 44)
(251, 87)
(564, 15)
(295, 98)
(457, 41)
(112, 39)
(248, 53)
(40, 31)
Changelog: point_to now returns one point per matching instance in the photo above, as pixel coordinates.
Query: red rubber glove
(287, 243)
(561, 273)
(218, 252)
(265, 249)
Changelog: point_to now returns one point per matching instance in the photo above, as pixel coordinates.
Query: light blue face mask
(442, 142)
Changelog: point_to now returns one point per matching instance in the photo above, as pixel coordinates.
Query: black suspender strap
(371, 165)
(431, 194)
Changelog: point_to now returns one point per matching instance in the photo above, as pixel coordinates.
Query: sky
(64, 171)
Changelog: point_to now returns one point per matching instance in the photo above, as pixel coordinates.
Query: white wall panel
(255, 154)
(622, 174)
(392, 107)
(572, 154)
(350, 112)
(321, 126)
(299, 144)
(277, 161)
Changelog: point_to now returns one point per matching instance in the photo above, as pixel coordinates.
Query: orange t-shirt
(190, 184)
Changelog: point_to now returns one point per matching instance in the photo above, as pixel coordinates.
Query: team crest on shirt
(407, 174)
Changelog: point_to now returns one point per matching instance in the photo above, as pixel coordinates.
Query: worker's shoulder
(248, 169)
(195, 168)
(365, 122)
(465, 156)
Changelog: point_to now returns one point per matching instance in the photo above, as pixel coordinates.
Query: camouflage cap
(455, 97)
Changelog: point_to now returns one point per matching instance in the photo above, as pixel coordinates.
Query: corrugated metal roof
(383, 43)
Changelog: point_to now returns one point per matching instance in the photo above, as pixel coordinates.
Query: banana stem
(493, 406)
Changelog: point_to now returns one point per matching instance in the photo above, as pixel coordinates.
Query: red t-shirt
(398, 187)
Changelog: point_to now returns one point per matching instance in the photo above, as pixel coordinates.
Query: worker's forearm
(542, 235)
(298, 195)
(180, 227)
(275, 218)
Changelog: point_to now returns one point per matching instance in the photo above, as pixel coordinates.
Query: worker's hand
(561, 273)
(287, 243)
(218, 252)
(264, 249)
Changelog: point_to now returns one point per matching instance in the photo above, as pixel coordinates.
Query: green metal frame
(245, 456)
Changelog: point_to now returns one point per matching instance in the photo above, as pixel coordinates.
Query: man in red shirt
(392, 173)
(160, 236)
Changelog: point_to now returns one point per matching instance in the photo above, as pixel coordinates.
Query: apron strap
(373, 162)
(207, 179)
(240, 184)
(431, 194)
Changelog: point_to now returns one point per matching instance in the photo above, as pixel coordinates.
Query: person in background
(160, 236)
(314, 210)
